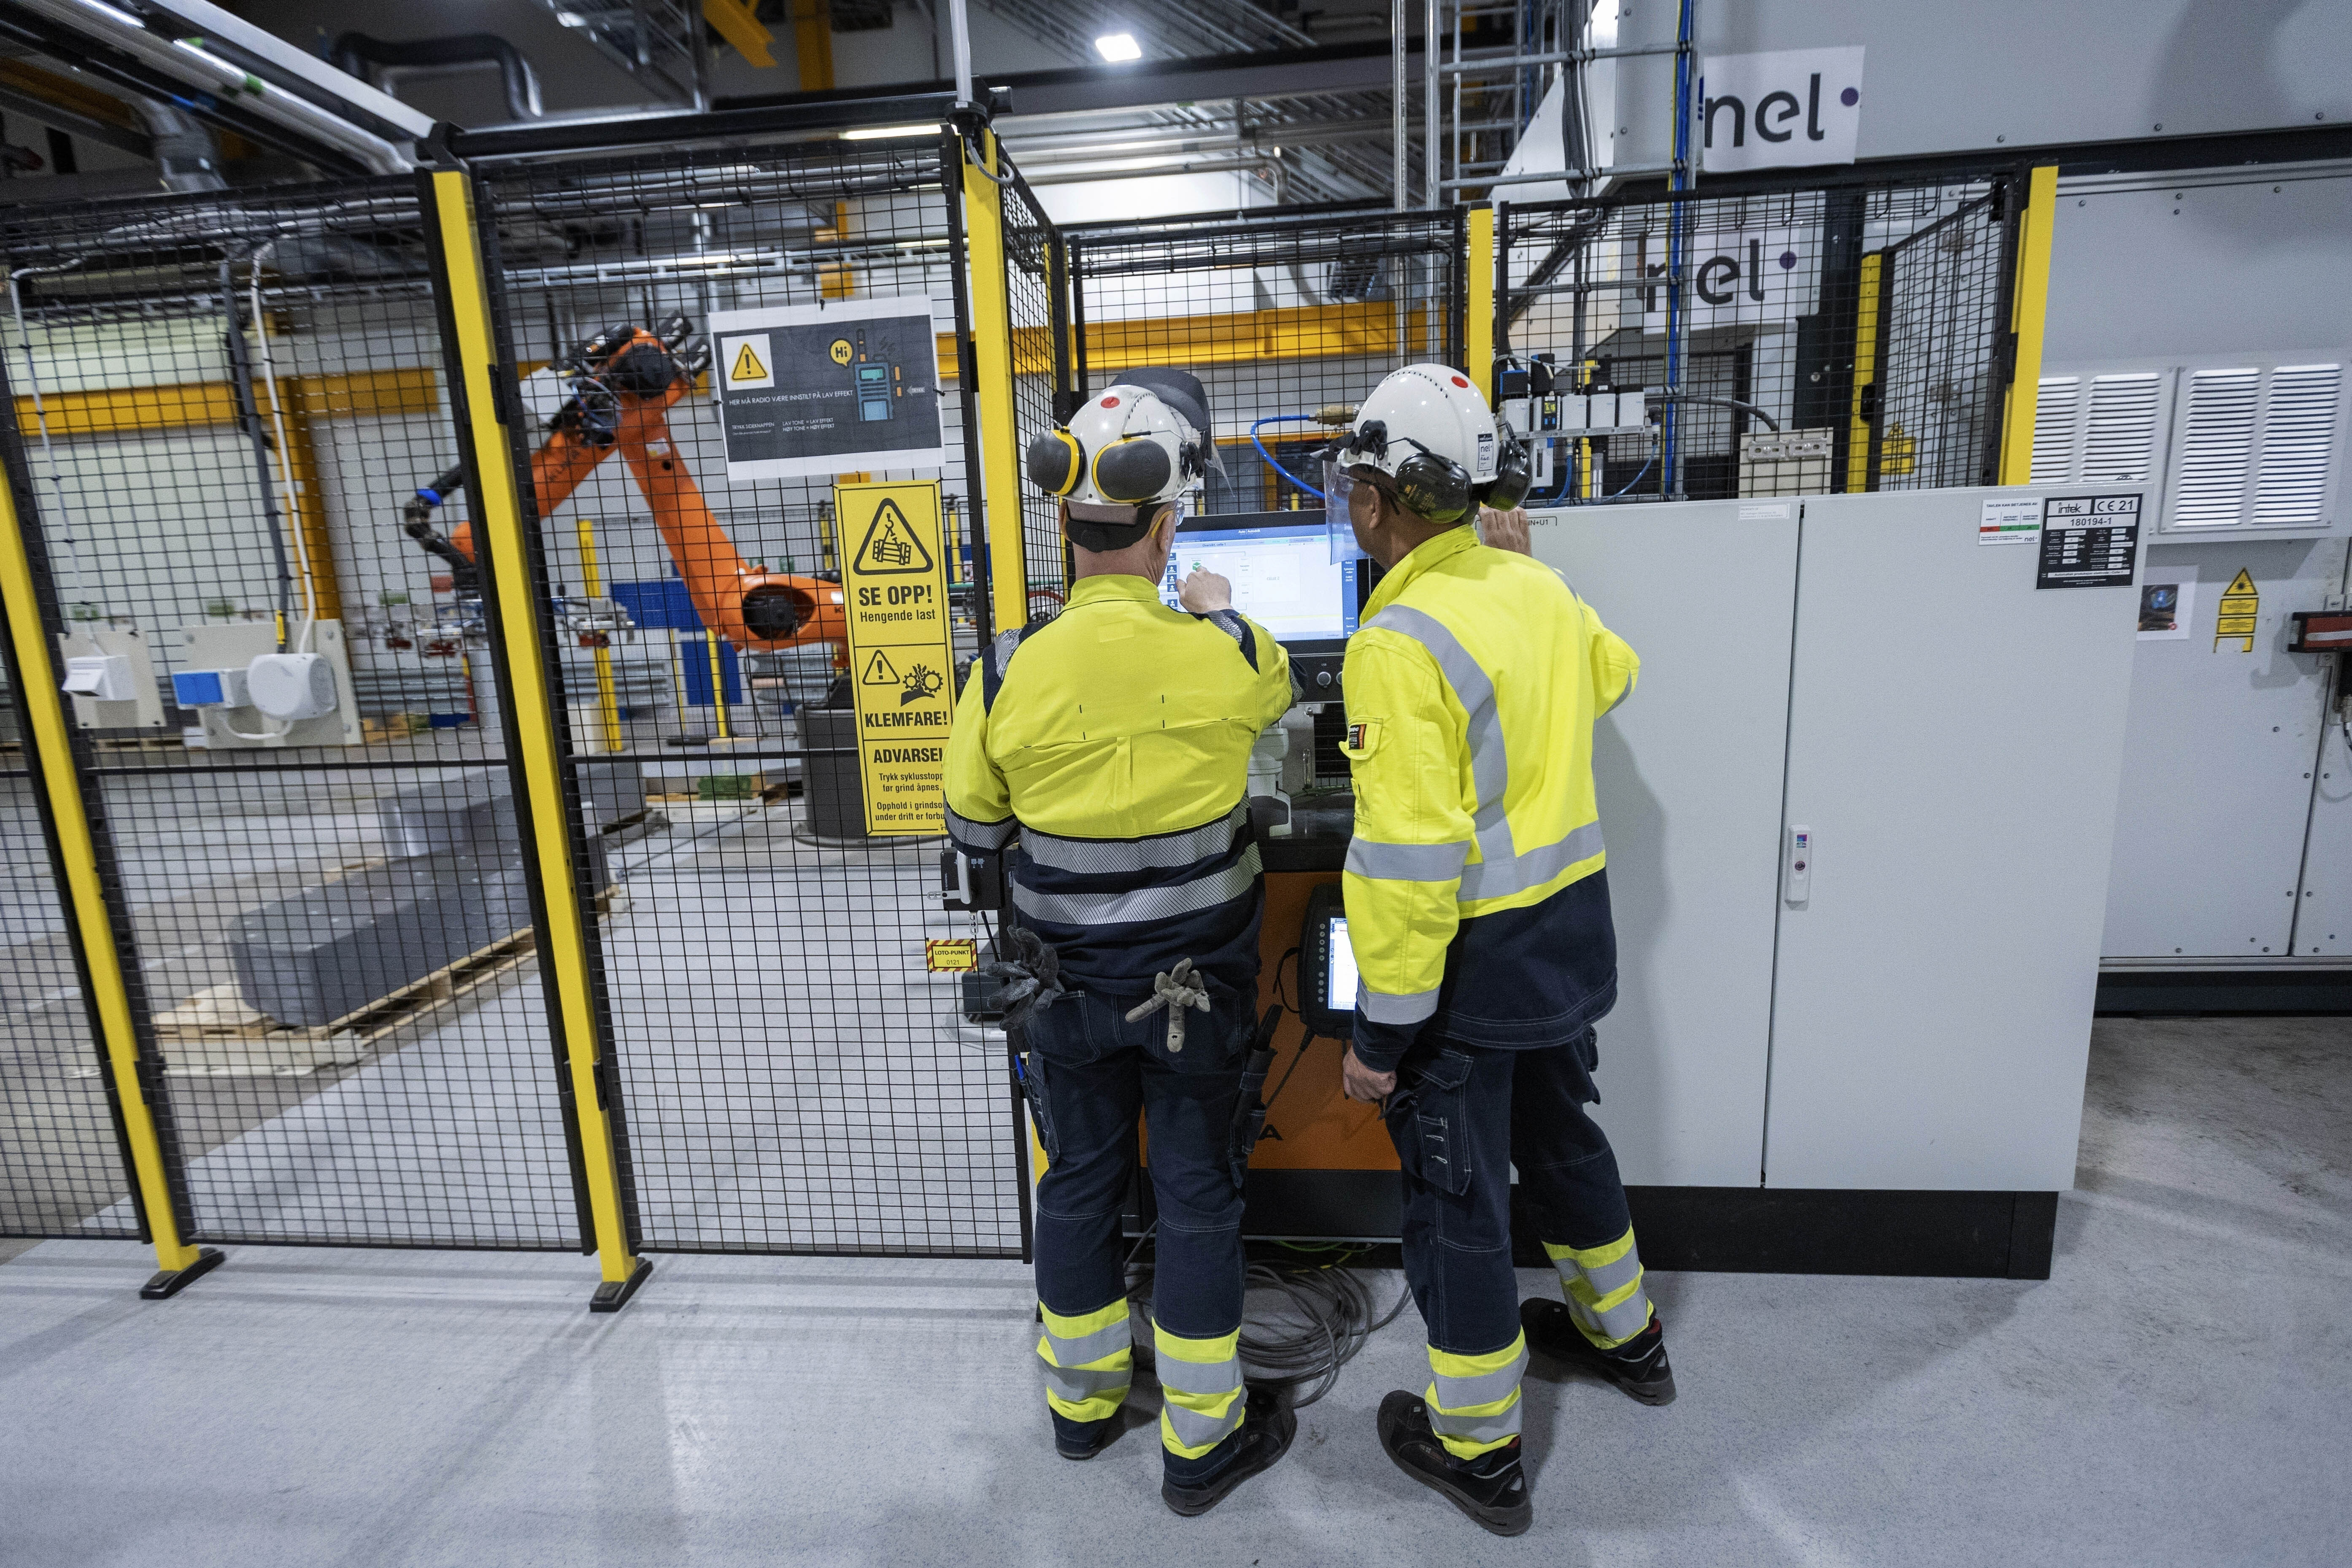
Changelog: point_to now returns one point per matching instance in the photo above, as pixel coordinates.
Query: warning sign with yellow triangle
(893, 600)
(2241, 612)
(747, 365)
(891, 547)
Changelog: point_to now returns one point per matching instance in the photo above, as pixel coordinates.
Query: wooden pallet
(215, 1035)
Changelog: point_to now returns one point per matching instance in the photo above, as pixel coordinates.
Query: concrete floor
(2179, 1392)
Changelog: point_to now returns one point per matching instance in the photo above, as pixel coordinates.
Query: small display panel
(1339, 984)
(1282, 572)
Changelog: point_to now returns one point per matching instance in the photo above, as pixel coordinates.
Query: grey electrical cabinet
(1918, 682)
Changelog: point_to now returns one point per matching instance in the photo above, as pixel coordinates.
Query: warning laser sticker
(2240, 611)
(896, 592)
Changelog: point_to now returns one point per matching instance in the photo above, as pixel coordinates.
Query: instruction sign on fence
(895, 587)
(844, 385)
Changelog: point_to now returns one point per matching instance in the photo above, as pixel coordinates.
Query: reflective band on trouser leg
(1201, 1381)
(1604, 1287)
(1473, 1400)
(1089, 1361)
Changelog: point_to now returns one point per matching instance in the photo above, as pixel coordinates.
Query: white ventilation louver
(2099, 427)
(2298, 444)
(2257, 447)
(2217, 448)
(2119, 440)
(2057, 409)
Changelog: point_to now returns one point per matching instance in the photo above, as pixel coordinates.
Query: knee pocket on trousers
(1427, 1119)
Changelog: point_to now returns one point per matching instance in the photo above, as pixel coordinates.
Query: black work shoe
(1491, 1488)
(1638, 1366)
(1267, 1429)
(1083, 1439)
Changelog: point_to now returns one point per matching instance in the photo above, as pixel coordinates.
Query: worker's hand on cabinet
(1362, 1082)
(1205, 591)
(1504, 530)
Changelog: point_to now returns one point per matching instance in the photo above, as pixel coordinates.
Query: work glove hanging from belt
(1175, 991)
(1032, 976)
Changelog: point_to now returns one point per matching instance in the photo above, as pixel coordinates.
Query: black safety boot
(1264, 1436)
(1491, 1488)
(1083, 1439)
(1638, 1366)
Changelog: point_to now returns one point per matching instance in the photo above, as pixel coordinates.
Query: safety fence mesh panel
(1943, 319)
(1283, 315)
(1037, 303)
(1765, 341)
(790, 1076)
(61, 1167)
(226, 401)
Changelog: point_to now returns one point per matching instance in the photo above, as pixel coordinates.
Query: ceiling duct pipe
(377, 61)
(183, 146)
(185, 62)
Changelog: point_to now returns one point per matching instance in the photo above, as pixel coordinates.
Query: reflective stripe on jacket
(1110, 747)
(1477, 905)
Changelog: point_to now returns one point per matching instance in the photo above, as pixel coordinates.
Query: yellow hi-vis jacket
(1113, 743)
(1477, 905)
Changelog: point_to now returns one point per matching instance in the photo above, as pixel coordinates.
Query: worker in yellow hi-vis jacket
(1479, 911)
(1106, 754)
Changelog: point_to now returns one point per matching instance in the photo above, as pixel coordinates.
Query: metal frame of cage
(438, 1152)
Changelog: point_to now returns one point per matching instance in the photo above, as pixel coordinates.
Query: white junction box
(291, 685)
(111, 679)
(267, 698)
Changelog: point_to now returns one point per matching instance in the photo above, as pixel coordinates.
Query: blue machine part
(694, 656)
(198, 689)
(662, 602)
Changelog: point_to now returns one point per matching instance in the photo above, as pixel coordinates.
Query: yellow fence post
(1478, 308)
(2029, 303)
(608, 700)
(999, 480)
(1865, 374)
(515, 595)
(49, 748)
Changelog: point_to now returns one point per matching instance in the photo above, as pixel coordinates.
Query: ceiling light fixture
(1118, 47)
(876, 133)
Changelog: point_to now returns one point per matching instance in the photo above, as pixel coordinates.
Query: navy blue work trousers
(1461, 1117)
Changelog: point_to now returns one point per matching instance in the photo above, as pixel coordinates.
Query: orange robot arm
(750, 607)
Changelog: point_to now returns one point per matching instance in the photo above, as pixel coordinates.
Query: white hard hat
(1140, 442)
(1428, 429)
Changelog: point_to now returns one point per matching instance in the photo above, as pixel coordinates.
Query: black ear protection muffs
(1131, 472)
(1513, 474)
(1056, 462)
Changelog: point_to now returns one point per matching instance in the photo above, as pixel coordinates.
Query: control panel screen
(1283, 576)
(1340, 979)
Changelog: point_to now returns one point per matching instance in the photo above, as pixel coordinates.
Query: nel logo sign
(1785, 109)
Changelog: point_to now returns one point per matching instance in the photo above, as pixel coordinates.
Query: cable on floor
(1323, 1318)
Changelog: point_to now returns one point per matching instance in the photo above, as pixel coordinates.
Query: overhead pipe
(184, 147)
(1396, 73)
(959, 24)
(363, 56)
(186, 62)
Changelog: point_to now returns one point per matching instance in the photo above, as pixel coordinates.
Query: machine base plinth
(614, 1294)
(171, 1282)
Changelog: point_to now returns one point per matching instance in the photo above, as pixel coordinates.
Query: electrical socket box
(240, 646)
(210, 688)
(117, 688)
(103, 676)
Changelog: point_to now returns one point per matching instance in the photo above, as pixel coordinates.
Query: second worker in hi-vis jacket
(1104, 753)
(1477, 900)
